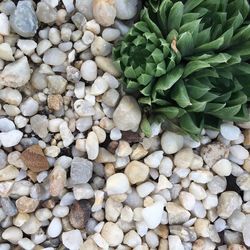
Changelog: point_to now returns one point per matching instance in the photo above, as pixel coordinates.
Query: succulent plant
(187, 63)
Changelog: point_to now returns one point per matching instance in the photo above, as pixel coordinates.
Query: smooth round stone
(26, 244)
(110, 34)
(100, 47)
(6, 125)
(72, 239)
(239, 152)
(92, 146)
(54, 57)
(11, 138)
(112, 234)
(184, 158)
(126, 9)
(89, 70)
(55, 228)
(29, 107)
(223, 167)
(4, 24)
(99, 86)
(106, 64)
(145, 189)
(84, 108)
(243, 181)
(85, 7)
(132, 239)
(27, 46)
(45, 13)
(12, 234)
(104, 12)
(117, 184)
(137, 172)
(84, 123)
(24, 20)
(229, 131)
(153, 160)
(171, 142)
(6, 52)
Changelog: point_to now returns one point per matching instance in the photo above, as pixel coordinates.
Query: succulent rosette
(187, 63)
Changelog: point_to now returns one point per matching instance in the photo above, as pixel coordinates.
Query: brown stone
(237, 247)
(79, 214)
(50, 204)
(57, 181)
(162, 231)
(32, 175)
(34, 159)
(131, 137)
(26, 205)
(247, 138)
(246, 165)
(55, 102)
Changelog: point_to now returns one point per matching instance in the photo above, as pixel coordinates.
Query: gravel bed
(76, 172)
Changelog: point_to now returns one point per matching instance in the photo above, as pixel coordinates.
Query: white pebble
(117, 184)
(239, 152)
(11, 138)
(29, 107)
(55, 228)
(171, 142)
(229, 131)
(222, 167)
(89, 70)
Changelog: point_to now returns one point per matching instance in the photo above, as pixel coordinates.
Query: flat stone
(34, 158)
(57, 181)
(46, 13)
(6, 52)
(54, 57)
(72, 239)
(39, 124)
(112, 233)
(16, 74)
(81, 170)
(23, 20)
(11, 138)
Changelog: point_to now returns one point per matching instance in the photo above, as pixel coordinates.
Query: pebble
(84, 108)
(34, 159)
(132, 239)
(92, 146)
(72, 239)
(11, 138)
(89, 70)
(31, 226)
(66, 134)
(229, 201)
(79, 214)
(105, 156)
(126, 10)
(100, 47)
(110, 34)
(245, 231)
(26, 244)
(12, 234)
(55, 228)
(176, 213)
(184, 158)
(11, 96)
(112, 234)
(54, 57)
(24, 20)
(174, 243)
(243, 181)
(99, 86)
(4, 25)
(152, 215)
(39, 125)
(213, 152)
(217, 185)
(239, 152)
(127, 115)
(106, 64)
(83, 191)
(171, 142)
(81, 170)
(27, 46)
(29, 107)
(16, 74)
(45, 13)
(229, 131)
(137, 172)
(117, 184)
(223, 167)
(6, 52)
(57, 181)
(26, 205)
(187, 200)
(6, 125)
(104, 12)
(145, 189)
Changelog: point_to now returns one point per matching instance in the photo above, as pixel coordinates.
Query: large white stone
(171, 142)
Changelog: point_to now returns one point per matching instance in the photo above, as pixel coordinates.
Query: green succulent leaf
(188, 63)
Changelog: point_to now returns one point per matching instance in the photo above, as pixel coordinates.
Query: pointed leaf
(185, 44)
(175, 16)
(190, 125)
(213, 45)
(194, 66)
(167, 81)
(191, 4)
(145, 127)
(180, 95)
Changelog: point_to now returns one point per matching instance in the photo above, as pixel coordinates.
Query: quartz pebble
(24, 20)
(54, 57)
(6, 52)
(72, 239)
(229, 131)
(126, 10)
(112, 234)
(4, 25)
(89, 70)
(171, 142)
(117, 184)
(222, 167)
(11, 138)
(16, 74)
(136, 172)
(12, 234)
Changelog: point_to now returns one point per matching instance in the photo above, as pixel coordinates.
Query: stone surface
(72, 239)
(26, 205)
(171, 142)
(54, 57)
(136, 172)
(126, 9)
(11, 138)
(81, 170)
(34, 159)
(176, 213)
(127, 115)
(117, 184)
(24, 20)
(16, 74)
